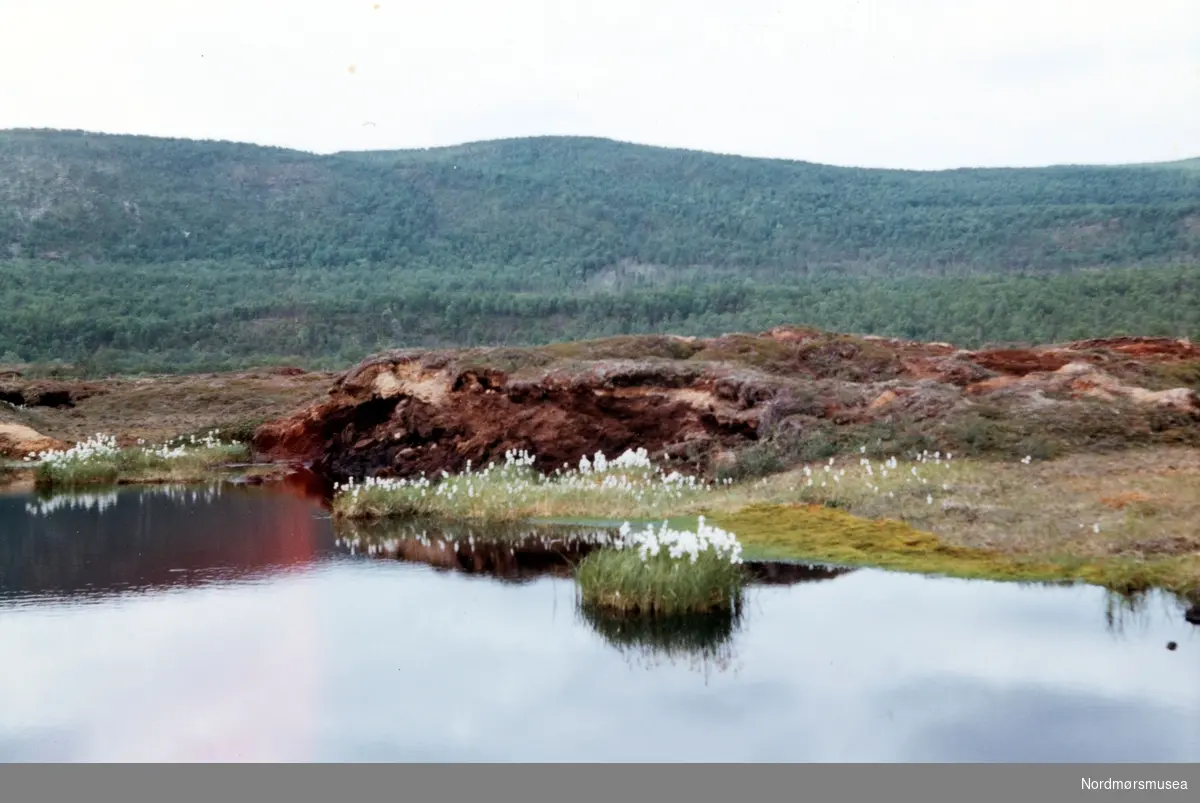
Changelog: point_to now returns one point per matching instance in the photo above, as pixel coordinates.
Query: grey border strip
(611, 783)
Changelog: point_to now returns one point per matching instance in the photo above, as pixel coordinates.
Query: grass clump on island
(664, 572)
(99, 461)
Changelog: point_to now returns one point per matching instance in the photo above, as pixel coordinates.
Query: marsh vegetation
(99, 461)
(1123, 521)
(665, 572)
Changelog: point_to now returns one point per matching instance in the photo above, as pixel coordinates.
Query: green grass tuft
(619, 581)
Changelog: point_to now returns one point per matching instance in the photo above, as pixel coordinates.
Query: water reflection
(518, 551)
(1125, 610)
(274, 642)
(512, 552)
(44, 505)
(117, 541)
(703, 643)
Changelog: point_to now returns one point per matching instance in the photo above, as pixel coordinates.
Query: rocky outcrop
(694, 400)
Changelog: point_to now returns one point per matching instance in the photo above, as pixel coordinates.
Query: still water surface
(235, 624)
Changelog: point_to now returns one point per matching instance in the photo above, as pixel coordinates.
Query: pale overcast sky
(892, 83)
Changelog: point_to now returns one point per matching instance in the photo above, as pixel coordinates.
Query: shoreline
(1076, 460)
(795, 532)
(932, 526)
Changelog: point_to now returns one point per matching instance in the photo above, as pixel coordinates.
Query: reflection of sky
(369, 660)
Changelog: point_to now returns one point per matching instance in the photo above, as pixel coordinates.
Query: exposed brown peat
(698, 401)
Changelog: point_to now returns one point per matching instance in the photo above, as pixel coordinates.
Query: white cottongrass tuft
(680, 544)
(629, 478)
(97, 446)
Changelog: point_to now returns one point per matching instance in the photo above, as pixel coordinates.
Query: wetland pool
(229, 623)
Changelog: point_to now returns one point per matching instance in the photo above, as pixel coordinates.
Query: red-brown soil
(691, 399)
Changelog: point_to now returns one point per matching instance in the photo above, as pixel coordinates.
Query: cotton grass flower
(665, 571)
(99, 460)
(513, 489)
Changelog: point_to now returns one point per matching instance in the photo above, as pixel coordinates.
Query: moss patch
(817, 533)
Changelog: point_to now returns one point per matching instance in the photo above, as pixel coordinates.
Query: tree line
(180, 317)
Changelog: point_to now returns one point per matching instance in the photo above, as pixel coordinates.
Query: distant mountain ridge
(576, 205)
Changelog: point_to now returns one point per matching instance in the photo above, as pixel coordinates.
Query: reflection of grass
(1122, 610)
(11, 474)
(704, 637)
(47, 500)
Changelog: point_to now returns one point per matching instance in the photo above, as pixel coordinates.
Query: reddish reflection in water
(512, 560)
(301, 483)
(131, 547)
(141, 539)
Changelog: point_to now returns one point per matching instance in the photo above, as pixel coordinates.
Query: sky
(919, 84)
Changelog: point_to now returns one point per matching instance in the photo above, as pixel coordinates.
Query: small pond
(231, 623)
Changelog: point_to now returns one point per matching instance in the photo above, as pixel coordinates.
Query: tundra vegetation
(99, 461)
(1117, 520)
(665, 572)
(1070, 462)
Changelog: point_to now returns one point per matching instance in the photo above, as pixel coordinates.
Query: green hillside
(140, 252)
(581, 204)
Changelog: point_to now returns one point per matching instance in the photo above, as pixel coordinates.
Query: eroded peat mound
(740, 404)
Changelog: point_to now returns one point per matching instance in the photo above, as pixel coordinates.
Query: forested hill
(575, 207)
(134, 253)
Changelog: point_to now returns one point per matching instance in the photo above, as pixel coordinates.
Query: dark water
(235, 624)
